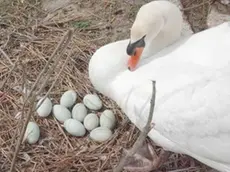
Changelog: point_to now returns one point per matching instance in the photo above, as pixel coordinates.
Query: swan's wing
(198, 118)
(195, 117)
(192, 105)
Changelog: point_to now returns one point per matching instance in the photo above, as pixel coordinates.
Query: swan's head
(152, 19)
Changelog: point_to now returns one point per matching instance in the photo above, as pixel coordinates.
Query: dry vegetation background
(29, 33)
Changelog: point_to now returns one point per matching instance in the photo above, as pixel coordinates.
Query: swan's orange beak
(134, 59)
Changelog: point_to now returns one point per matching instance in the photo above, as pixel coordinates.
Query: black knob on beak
(130, 49)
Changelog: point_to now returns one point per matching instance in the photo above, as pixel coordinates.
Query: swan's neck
(106, 64)
(161, 41)
(168, 31)
(110, 61)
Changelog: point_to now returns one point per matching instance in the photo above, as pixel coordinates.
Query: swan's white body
(192, 110)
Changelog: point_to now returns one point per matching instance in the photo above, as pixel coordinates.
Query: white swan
(192, 74)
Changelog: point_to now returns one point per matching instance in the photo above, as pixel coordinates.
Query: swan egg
(32, 133)
(68, 98)
(91, 121)
(45, 108)
(74, 127)
(100, 134)
(79, 112)
(61, 113)
(107, 119)
(92, 102)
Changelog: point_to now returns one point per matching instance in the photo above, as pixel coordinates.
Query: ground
(29, 32)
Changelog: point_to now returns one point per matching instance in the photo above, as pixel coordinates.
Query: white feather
(192, 110)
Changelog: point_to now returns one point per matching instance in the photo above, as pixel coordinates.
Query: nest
(197, 11)
(28, 37)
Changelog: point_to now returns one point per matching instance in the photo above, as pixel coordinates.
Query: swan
(192, 74)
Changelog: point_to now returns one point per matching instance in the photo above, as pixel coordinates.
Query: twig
(55, 64)
(60, 128)
(69, 34)
(59, 55)
(83, 165)
(24, 96)
(23, 127)
(67, 59)
(60, 21)
(6, 56)
(24, 85)
(10, 72)
(142, 136)
(22, 134)
(196, 6)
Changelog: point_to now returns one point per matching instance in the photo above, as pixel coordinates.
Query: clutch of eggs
(77, 118)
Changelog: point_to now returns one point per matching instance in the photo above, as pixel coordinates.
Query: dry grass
(28, 36)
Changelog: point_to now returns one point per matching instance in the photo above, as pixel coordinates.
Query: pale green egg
(74, 127)
(32, 133)
(91, 121)
(68, 98)
(45, 108)
(92, 102)
(107, 119)
(79, 112)
(100, 134)
(61, 113)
